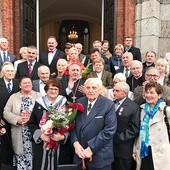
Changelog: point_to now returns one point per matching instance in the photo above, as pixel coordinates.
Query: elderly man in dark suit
(128, 47)
(127, 59)
(4, 54)
(44, 76)
(50, 56)
(29, 68)
(8, 86)
(128, 123)
(94, 128)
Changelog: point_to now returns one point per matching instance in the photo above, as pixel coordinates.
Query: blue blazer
(96, 131)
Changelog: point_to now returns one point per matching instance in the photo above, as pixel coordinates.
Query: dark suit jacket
(133, 83)
(43, 59)
(22, 70)
(128, 124)
(64, 85)
(6, 155)
(136, 53)
(10, 57)
(106, 78)
(96, 131)
(145, 67)
(106, 63)
(121, 70)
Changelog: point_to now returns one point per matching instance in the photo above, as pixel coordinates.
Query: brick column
(11, 24)
(125, 19)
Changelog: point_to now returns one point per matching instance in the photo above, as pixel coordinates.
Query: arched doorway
(81, 28)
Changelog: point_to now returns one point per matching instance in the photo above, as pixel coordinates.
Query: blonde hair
(100, 60)
(22, 49)
(119, 46)
(164, 62)
(63, 61)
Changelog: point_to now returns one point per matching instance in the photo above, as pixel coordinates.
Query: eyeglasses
(152, 75)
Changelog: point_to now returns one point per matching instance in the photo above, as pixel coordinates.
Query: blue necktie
(4, 57)
(9, 87)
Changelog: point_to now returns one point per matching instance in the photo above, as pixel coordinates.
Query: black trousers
(122, 164)
(147, 162)
(7, 167)
(104, 168)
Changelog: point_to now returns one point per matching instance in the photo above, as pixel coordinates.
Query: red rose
(77, 106)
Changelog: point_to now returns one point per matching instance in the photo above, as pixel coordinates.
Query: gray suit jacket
(96, 131)
(10, 57)
(36, 85)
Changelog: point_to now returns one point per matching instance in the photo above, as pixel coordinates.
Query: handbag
(166, 122)
(68, 167)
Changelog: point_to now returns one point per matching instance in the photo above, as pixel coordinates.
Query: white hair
(136, 63)
(124, 86)
(22, 49)
(43, 67)
(120, 77)
(95, 80)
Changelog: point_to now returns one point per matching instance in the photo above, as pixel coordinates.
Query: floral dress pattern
(24, 162)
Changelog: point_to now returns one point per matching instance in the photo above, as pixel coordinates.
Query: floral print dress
(24, 162)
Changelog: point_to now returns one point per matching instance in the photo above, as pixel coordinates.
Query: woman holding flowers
(17, 112)
(49, 146)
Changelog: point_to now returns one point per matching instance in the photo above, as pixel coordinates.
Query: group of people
(122, 126)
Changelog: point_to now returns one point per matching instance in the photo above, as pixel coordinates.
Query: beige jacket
(12, 113)
(158, 140)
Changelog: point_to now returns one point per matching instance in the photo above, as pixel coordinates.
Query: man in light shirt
(44, 75)
(4, 54)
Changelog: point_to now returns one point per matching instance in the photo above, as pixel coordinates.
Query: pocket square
(99, 117)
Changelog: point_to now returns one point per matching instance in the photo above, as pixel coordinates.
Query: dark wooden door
(28, 22)
(110, 23)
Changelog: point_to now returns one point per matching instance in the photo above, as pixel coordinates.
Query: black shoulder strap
(166, 122)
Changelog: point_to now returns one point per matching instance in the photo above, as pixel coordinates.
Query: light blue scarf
(144, 128)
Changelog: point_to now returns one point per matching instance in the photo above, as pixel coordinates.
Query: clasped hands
(81, 152)
(24, 118)
(2, 129)
(55, 137)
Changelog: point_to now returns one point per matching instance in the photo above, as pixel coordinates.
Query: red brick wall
(10, 24)
(125, 19)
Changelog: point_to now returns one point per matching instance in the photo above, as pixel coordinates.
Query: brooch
(120, 111)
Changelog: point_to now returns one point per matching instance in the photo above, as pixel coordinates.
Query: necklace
(75, 91)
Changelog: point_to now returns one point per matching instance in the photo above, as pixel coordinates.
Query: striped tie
(9, 87)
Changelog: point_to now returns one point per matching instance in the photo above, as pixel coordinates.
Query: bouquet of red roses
(59, 119)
